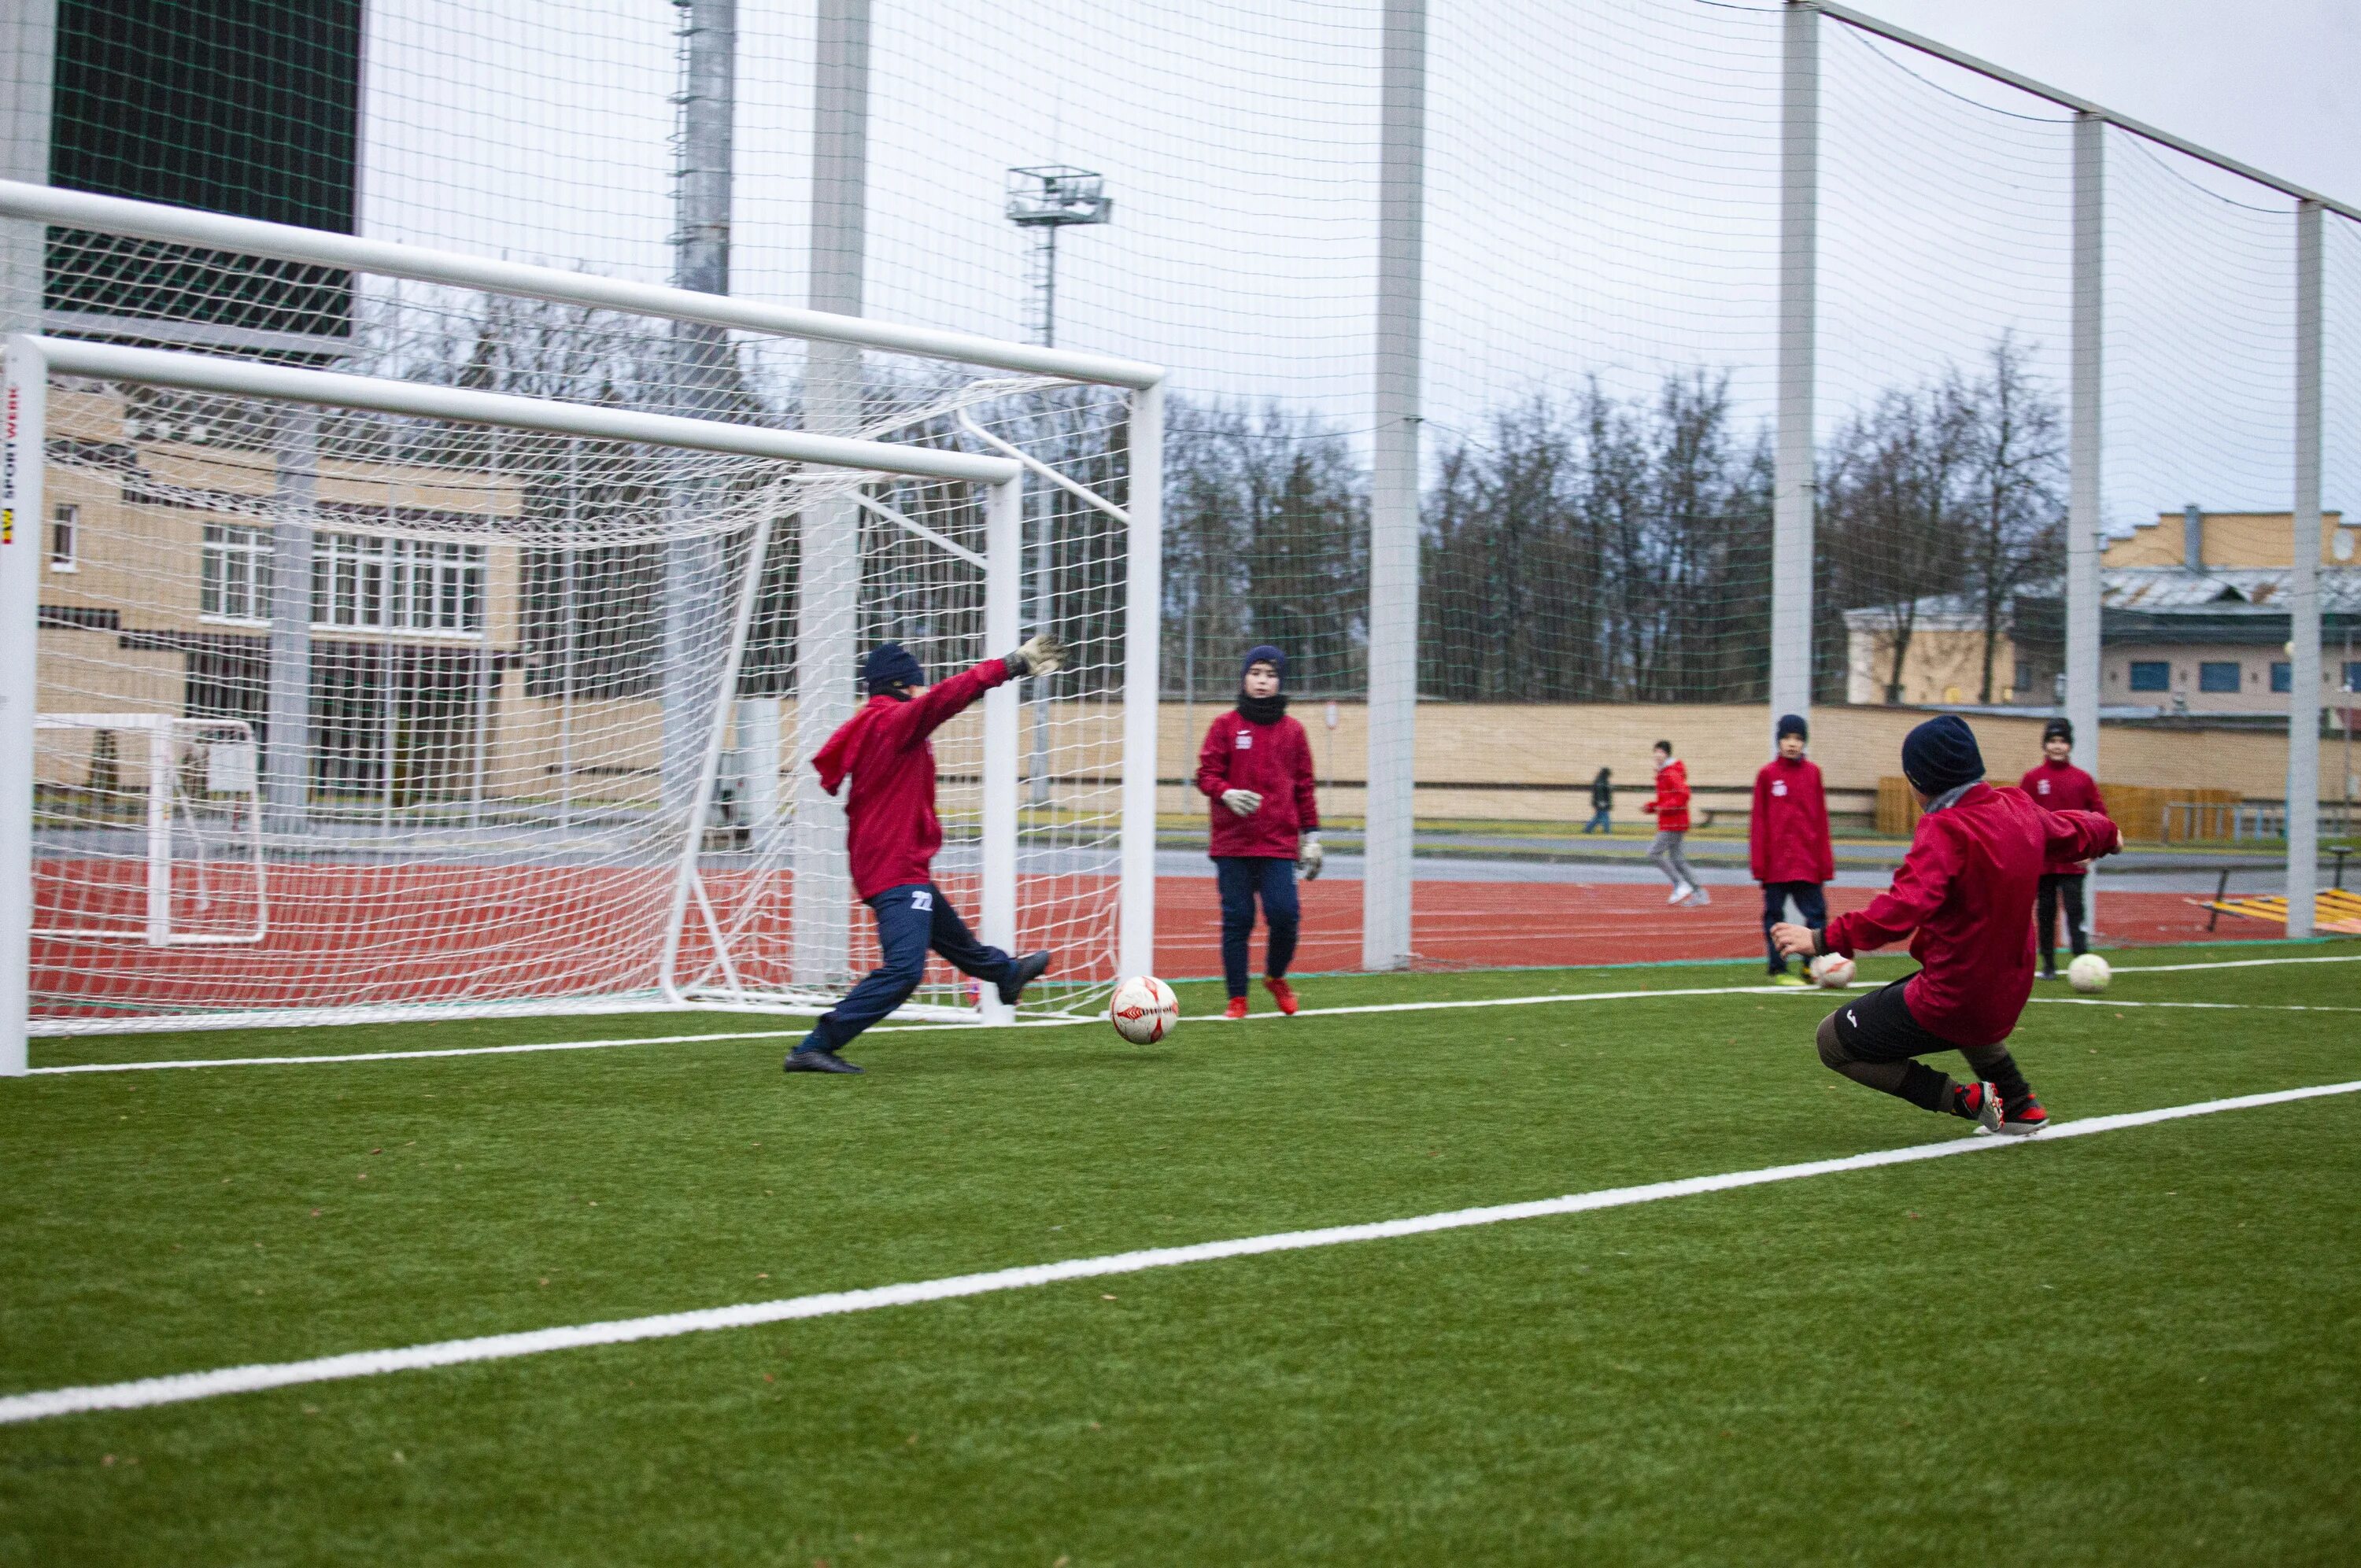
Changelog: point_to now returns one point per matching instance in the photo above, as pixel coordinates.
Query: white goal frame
(32, 359)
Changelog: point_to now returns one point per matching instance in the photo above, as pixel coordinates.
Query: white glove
(1308, 856)
(1042, 654)
(1244, 801)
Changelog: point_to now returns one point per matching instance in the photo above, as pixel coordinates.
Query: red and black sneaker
(1282, 993)
(1978, 1102)
(1236, 1009)
(2023, 1116)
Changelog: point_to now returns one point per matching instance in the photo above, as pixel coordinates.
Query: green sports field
(2139, 1346)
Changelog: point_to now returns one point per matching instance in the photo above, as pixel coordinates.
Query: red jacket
(2062, 787)
(1275, 761)
(889, 817)
(1966, 888)
(1671, 806)
(1789, 831)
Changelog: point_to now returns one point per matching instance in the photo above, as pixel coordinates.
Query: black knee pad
(1833, 1056)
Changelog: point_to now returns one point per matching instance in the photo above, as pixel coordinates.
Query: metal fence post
(2085, 528)
(2303, 587)
(1794, 493)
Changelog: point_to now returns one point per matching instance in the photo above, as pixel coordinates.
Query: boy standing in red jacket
(1966, 889)
(1788, 840)
(2056, 784)
(1256, 769)
(1671, 810)
(892, 832)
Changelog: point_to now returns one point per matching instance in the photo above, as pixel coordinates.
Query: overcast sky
(1601, 194)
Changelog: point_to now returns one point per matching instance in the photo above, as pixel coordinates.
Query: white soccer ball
(1833, 971)
(2089, 973)
(1143, 1010)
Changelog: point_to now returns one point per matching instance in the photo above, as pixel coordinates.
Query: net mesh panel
(478, 719)
(1601, 328)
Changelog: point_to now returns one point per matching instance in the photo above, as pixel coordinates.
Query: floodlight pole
(2085, 527)
(1794, 487)
(828, 592)
(2303, 587)
(1390, 816)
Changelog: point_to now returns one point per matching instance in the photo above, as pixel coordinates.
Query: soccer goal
(377, 697)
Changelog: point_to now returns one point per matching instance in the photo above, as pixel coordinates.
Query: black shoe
(2048, 974)
(817, 1060)
(1029, 970)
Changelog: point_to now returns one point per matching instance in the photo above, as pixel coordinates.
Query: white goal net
(351, 709)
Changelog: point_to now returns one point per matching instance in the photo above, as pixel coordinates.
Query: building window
(2151, 675)
(65, 539)
(2282, 676)
(234, 577)
(397, 585)
(2353, 674)
(2217, 676)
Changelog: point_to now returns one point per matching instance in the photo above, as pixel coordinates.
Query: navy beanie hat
(890, 665)
(1793, 724)
(2059, 730)
(1941, 754)
(1263, 654)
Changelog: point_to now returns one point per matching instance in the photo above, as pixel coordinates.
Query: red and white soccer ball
(1143, 1010)
(1832, 971)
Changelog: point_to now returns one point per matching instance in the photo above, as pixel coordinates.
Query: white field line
(183, 1387)
(1067, 1023)
(2209, 1006)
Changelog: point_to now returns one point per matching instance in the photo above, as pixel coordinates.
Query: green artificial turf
(2140, 1348)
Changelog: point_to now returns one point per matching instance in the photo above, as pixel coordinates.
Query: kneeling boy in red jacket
(1966, 889)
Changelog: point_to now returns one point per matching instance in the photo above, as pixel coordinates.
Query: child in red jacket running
(1256, 769)
(2056, 784)
(892, 833)
(1788, 840)
(1671, 810)
(1966, 889)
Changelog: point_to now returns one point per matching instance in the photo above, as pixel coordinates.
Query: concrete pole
(694, 590)
(287, 756)
(1393, 494)
(2303, 587)
(28, 41)
(2085, 528)
(1795, 487)
(828, 588)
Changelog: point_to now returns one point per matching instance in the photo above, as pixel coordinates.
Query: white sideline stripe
(2210, 1006)
(1065, 1023)
(188, 1386)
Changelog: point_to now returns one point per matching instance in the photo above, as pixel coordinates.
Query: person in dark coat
(1255, 769)
(1787, 838)
(1602, 804)
(892, 834)
(1965, 897)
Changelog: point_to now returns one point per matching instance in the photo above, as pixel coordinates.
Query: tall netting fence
(1606, 286)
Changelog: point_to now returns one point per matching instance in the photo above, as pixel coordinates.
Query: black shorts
(1879, 1027)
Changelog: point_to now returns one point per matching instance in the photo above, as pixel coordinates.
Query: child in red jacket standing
(892, 833)
(1788, 840)
(2056, 784)
(1256, 769)
(1966, 889)
(1671, 810)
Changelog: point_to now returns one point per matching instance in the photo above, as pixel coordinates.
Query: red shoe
(1978, 1102)
(1283, 994)
(1236, 1009)
(2023, 1118)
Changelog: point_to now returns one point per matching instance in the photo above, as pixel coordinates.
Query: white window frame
(254, 548)
(65, 524)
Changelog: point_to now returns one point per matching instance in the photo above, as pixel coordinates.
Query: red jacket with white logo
(1671, 806)
(1966, 889)
(1789, 832)
(1275, 761)
(2062, 787)
(890, 827)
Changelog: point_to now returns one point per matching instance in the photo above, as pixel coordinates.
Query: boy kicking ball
(1966, 889)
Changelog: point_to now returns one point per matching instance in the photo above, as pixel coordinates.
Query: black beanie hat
(1793, 724)
(2058, 729)
(1263, 654)
(1941, 754)
(890, 665)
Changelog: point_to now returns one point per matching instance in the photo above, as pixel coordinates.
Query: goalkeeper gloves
(1042, 654)
(1244, 801)
(1308, 856)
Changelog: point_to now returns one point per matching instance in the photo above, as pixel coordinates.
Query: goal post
(422, 797)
